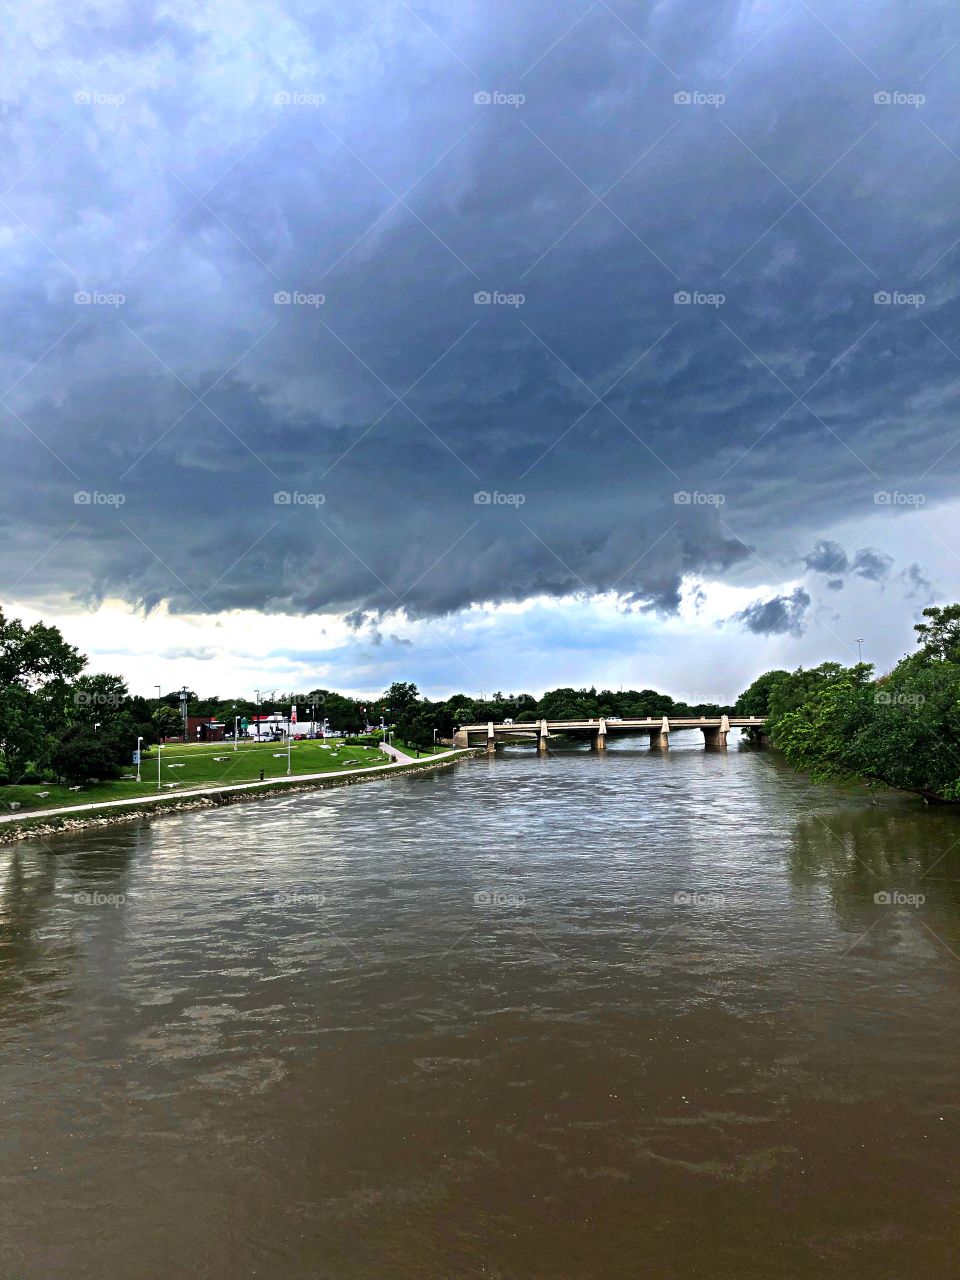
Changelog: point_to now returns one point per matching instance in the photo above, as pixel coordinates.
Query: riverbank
(106, 813)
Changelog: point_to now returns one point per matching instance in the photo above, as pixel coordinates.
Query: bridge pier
(491, 739)
(542, 738)
(660, 738)
(717, 736)
(461, 738)
(598, 739)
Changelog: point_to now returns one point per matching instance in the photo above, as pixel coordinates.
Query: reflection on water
(663, 1014)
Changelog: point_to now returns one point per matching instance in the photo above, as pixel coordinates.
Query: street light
(184, 696)
(139, 741)
(860, 647)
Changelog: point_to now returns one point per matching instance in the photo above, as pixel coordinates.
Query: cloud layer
(386, 345)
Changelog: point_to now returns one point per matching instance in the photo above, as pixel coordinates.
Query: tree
(169, 721)
(36, 666)
(84, 755)
(755, 701)
(401, 697)
(939, 637)
(902, 730)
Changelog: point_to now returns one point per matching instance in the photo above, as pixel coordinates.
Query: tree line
(845, 724)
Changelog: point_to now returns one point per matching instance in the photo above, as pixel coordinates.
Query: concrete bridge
(714, 729)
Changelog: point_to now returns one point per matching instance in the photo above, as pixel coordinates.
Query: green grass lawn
(199, 764)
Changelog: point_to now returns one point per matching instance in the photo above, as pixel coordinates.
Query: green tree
(902, 730)
(84, 755)
(36, 667)
(401, 697)
(939, 636)
(755, 701)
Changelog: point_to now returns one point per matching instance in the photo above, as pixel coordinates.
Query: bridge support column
(542, 737)
(461, 738)
(491, 739)
(598, 739)
(660, 738)
(716, 736)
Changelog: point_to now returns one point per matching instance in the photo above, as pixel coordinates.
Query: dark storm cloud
(916, 583)
(872, 565)
(397, 443)
(827, 557)
(781, 615)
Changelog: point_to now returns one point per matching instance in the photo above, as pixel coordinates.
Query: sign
(136, 757)
(244, 723)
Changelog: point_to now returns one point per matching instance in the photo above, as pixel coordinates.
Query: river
(633, 1014)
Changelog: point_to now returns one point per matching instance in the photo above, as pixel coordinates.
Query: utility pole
(159, 742)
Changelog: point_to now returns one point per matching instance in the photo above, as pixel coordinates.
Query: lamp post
(139, 742)
(236, 731)
(184, 696)
(860, 647)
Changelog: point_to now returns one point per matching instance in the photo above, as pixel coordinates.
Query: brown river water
(627, 1015)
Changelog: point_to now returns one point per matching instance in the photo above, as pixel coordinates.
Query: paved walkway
(398, 761)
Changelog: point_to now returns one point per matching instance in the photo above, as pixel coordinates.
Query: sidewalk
(398, 761)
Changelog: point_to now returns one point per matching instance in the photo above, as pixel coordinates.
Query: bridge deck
(620, 726)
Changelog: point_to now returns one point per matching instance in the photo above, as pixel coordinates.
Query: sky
(491, 346)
